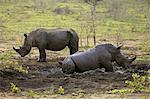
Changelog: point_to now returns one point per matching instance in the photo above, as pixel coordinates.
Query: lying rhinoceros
(50, 39)
(98, 57)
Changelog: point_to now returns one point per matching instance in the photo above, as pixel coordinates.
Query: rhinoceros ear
(132, 59)
(17, 50)
(25, 35)
(119, 47)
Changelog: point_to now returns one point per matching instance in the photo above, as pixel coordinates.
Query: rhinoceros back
(51, 39)
(87, 60)
(110, 48)
(68, 66)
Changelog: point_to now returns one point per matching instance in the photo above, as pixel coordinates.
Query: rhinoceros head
(68, 67)
(123, 61)
(25, 49)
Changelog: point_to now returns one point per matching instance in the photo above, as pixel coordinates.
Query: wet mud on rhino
(49, 39)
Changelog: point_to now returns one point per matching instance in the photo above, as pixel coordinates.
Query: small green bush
(138, 84)
(61, 90)
(14, 88)
(6, 61)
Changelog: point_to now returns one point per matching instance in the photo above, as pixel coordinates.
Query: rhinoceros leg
(108, 66)
(42, 57)
(73, 49)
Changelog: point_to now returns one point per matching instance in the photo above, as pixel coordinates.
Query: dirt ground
(92, 84)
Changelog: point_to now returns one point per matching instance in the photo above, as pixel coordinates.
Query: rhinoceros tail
(74, 40)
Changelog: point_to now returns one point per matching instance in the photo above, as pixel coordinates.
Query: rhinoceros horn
(132, 59)
(119, 47)
(17, 50)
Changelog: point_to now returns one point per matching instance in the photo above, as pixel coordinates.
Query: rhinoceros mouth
(22, 55)
(132, 59)
(17, 50)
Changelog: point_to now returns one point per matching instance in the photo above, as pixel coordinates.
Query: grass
(23, 17)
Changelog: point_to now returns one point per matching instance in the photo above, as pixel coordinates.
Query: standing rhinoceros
(50, 39)
(98, 57)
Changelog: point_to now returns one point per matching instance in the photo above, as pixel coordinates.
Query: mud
(42, 76)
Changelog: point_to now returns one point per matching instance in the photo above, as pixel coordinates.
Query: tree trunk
(93, 11)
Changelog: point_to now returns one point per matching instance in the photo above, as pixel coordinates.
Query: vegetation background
(115, 21)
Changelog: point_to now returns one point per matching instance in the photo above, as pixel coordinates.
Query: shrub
(6, 61)
(14, 88)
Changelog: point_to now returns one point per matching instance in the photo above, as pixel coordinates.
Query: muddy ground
(93, 84)
(42, 76)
